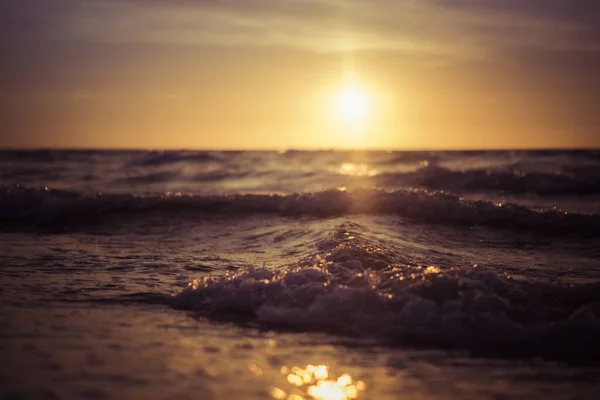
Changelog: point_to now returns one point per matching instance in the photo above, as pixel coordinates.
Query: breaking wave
(571, 181)
(158, 158)
(580, 182)
(350, 287)
(22, 208)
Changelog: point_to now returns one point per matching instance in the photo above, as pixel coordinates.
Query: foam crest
(468, 308)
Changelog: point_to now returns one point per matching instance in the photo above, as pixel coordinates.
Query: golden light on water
(316, 382)
(355, 169)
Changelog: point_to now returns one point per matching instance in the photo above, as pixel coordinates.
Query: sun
(352, 104)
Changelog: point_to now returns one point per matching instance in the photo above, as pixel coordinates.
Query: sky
(269, 74)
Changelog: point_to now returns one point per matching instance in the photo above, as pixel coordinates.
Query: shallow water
(214, 274)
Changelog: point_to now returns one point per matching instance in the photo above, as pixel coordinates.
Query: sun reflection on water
(354, 169)
(316, 382)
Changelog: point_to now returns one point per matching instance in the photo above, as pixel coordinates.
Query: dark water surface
(288, 275)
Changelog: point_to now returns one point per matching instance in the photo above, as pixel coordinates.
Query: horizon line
(304, 149)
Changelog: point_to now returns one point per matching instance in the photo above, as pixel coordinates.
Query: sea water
(299, 274)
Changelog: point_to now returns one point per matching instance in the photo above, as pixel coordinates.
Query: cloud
(450, 29)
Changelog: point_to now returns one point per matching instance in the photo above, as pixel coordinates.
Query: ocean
(325, 275)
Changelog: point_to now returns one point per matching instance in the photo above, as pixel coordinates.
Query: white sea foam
(347, 288)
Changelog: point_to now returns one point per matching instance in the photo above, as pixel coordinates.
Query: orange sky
(264, 74)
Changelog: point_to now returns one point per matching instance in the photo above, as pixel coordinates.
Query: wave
(24, 173)
(348, 287)
(157, 158)
(408, 158)
(26, 208)
(176, 176)
(436, 177)
(155, 177)
(543, 173)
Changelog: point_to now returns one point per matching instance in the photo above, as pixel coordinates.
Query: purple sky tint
(78, 49)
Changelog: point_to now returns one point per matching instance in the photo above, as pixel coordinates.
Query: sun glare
(352, 104)
(316, 382)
